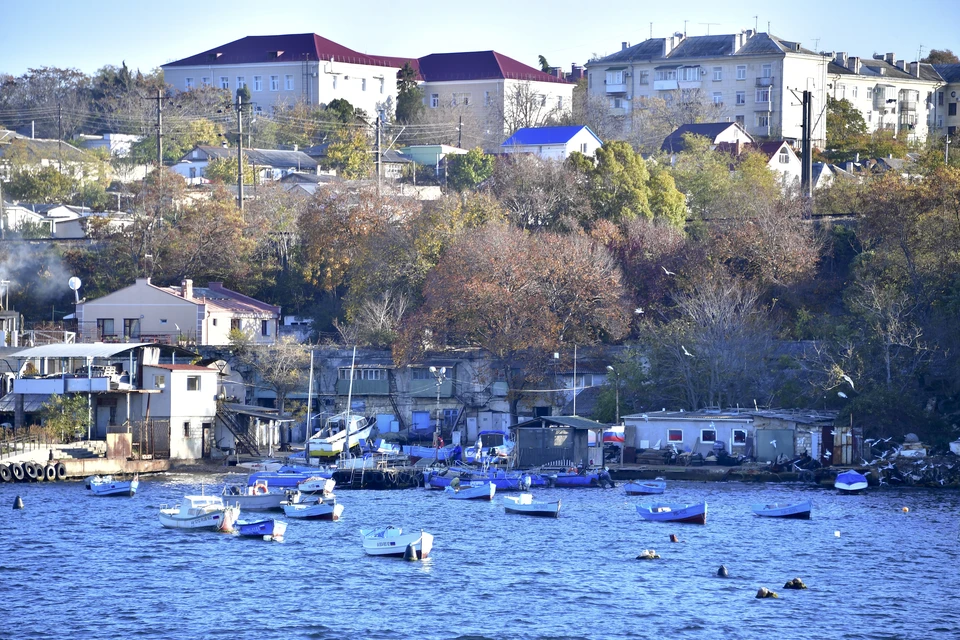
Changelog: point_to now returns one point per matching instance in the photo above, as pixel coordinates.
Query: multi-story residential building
(945, 110)
(755, 79)
(891, 94)
(284, 69)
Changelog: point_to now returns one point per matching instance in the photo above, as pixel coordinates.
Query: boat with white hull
(342, 433)
(850, 482)
(200, 512)
(525, 505)
(110, 486)
(307, 508)
(471, 491)
(259, 497)
(393, 542)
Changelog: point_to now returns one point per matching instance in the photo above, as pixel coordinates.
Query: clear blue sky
(88, 35)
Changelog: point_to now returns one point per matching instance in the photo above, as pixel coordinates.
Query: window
(616, 103)
(288, 82)
(274, 83)
(853, 91)
(450, 417)
(589, 81)
(131, 327)
(583, 148)
(784, 156)
(842, 91)
(644, 77)
(766, 71)
(188, 83)
(717, 74)
(334, 82)
(763, 119)
(241, 82)
(741, 72)
(763, 94)
(258, 83)
(363, 84)
(664, 74)
(717, 98)
(460, 99)
(940, 98)
(163, 321)
(739, 436)
(434, 100)
(559, 102)
(234, 324)
(205, 81)
(615, 77)
(708, 435)
(543, 100)
(741, 97)
(193, 383)
(214, 322)
(193, 172)
(159, 382)
(371, 374)
(951, 131)
(674, 435)
(952, 109)
(264, 327)
(381, 85)
(739, 120)
(486, 99)
(689, 74)
(105, 328)
(186, 429)
(224, 82)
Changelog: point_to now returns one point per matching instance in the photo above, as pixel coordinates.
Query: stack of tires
(32, 472)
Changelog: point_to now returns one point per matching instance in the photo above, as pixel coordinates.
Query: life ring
(572, 470)
(261, 489)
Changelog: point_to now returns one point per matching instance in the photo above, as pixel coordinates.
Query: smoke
(37, 280)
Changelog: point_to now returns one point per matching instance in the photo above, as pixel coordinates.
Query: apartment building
(892, 95)
(754, 79)
(944, 111)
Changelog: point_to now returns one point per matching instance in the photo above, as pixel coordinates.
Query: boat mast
(308, 426)
(346, 437)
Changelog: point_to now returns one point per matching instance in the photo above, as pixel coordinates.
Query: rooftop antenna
(755, 27)
(685, 28)
(74, 283)
(651, 30)
(768, 27)
(708, 25)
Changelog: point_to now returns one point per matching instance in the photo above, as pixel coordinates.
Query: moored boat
(287, 477)
(200, 512)
(659, 512)
(317, 485)
(393, 542)
(304, 508)
(797, 511)
(574, 478)
(342, 433)
(645, 487)
(471, 491)
(110, 486)
(267, 529)
(258, 497)
(850, 482)
(525, 505)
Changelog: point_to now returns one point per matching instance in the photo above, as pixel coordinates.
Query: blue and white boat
(659, 512)
(645, 487)
(575, 479)
(471, 491)
(287, 477)
(797, 511)
(267, 529)
(110, 486)
(850, 482)
(448, 454)
(504, 480)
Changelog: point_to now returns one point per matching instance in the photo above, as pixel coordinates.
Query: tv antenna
(708, 25)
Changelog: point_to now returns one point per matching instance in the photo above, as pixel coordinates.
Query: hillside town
(729, 249)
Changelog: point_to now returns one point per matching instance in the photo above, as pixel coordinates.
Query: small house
(689, 431)
(553, 143)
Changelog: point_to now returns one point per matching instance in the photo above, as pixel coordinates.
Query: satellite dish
(74, 283)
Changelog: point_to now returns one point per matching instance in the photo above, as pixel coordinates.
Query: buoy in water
(18, 503)
(766, 593)
(648, 554)
(722, 572)
(906, 509)
(674, 538)
(410, 553)
(836, 534)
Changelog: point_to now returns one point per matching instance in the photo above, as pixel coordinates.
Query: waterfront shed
(547, 440)
(694, 432)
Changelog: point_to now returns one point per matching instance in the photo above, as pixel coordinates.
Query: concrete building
(751, 78)
(946, 113)
(553, 143)
(176, 315)
(893, 95)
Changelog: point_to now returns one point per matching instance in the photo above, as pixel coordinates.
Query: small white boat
(393, 542)
(317, 485)
(850, 482)
(110, 486)
(797, 511)
(308, 509)
(645, 487)
(342, 433)
(200, 512)
(255, 498)
(524, 504)
(471, 491)
(659, 512)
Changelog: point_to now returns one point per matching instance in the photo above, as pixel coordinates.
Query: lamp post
(441, 375)
(616, 376)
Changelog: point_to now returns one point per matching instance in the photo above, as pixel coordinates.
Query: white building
(186, 395)
(751, 77)
(553, 143)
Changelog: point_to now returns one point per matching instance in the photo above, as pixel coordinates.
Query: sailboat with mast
(343, 431)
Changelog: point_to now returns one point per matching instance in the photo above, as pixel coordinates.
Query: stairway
(245, 444)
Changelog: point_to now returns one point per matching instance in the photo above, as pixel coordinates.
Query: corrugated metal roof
(84, 350)
(575, 422)
(479, 65)
(704, 47)
(545, 135)
(949, 72)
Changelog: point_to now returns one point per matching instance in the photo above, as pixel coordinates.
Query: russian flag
(614, 434)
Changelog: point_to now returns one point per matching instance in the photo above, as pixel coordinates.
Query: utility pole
(59, 138)
(3, 218)
(460, 133)
(379, 158)
(240, 152)
(806, 172)
(946, 151)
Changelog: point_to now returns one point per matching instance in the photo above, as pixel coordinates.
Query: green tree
(409, 95)
(66, 415)
(666, 202)
(349, 153)
(941, 56)
(45, 185)
(544, 65)
(341, 110)
(618, 188)
(224, 170)
(466, 171)
(846, 128)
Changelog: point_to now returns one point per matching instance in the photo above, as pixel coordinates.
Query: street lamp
(441, 375)
(616, 376)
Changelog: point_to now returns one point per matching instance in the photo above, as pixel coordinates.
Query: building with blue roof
(553, 143)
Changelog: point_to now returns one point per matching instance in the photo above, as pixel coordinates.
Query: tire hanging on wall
(5, 474)
(61, 471)
(29, 472)
(50, 473)
(17, 471)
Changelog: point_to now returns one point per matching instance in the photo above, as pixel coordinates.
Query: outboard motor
(605, 479)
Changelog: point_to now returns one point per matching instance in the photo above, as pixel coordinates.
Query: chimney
(840, 58)
(915, 69)
(186, 289)
(848, 166)
(854, 64)
(902, 65)
(624, 45)
(750, 33)
(890, 58)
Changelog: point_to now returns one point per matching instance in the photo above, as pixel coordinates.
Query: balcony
(908, 105)
(60, 385)
(423, 388)
(765, 82)
(617, 88)
(665, 85)
(365, 387)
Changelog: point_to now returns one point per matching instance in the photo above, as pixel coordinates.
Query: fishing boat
(449, 453)
(798, 511)
(471, 490)
(600, 478)
(492, 446)
(393, 542)
(504, 480)
(304, 508)
(658, 512)
(110, 486)
(850, 482)
(200, 512)
(317, 485)
(645, 487)
(256, 497)
(286, 477)
(342, 433)
(267, 529)
(525, 505)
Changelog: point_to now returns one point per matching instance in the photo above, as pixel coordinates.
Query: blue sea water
(77, 566)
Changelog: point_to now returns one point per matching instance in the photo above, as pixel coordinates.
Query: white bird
(842, 394)
(849, 381)
(638, 311)
(827, 454)
(773, 443)
(667, 271)
(645, 418)
(833, 432)
(685, 352)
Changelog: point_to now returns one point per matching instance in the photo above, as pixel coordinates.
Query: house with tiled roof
(553, 143)
(892, 95)
(268, 164)
(750, 77)
(144, 312)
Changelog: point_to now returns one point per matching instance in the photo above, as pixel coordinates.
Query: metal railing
(11, 445)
